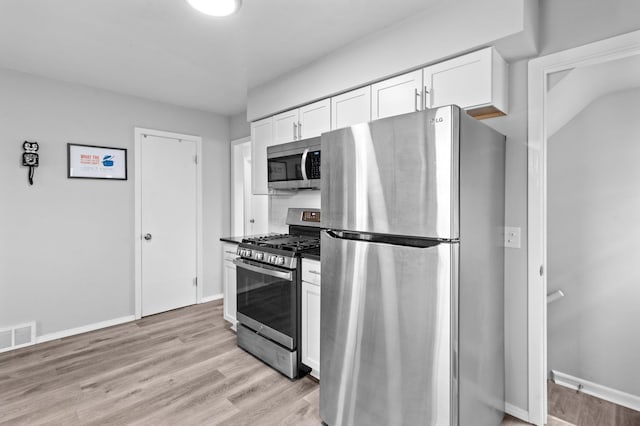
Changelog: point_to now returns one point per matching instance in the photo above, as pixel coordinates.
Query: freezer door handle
(398, 240)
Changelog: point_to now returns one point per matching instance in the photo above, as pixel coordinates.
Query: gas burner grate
(294, 243)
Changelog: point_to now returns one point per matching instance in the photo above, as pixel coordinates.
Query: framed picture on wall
(96, 162)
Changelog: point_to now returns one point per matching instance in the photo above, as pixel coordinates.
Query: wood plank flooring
(179, 367)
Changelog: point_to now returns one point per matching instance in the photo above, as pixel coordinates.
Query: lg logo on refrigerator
(436, 120)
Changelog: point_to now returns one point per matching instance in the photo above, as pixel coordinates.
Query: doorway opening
(249, 212)
(566, 88)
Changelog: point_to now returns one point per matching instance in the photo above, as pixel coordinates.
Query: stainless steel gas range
(269, 290)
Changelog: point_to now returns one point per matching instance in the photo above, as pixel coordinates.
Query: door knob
(147, 237)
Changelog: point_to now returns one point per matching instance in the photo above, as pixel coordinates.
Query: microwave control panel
(314, 165)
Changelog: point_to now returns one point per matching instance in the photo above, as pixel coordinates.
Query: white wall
(572, 23)
(66, 245)
(514, 126)
(594, 244)
(239, 127)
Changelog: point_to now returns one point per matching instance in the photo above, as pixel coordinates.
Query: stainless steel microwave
(294, 165)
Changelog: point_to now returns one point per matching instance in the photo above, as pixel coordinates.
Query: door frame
(539, 70)
(234, 144)
(140, 133)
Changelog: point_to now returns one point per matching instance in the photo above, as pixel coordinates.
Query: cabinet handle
(418, 99)
(299, 130)
(427, 104)
(295, 131)
(314, 272)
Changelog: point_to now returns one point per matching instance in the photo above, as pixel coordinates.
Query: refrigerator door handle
(387, 239)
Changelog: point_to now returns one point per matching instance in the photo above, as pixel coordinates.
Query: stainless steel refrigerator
(412, 301)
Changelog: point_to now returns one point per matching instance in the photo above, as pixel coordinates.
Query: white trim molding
(137, 236)
(516, 412)
(84, 329)
(594, 389)
(211, 298)
(539, 69)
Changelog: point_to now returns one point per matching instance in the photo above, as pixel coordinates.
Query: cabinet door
(315, 118)
(351, 108)
(398, 95)
(261, 138)
(311, 271)
(229, 283)
(285, 127)
(311, 327)
(464, 81)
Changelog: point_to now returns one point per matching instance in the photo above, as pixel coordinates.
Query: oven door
(267, 298)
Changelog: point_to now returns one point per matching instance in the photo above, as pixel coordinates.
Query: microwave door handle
(303, 164)
(276, 274)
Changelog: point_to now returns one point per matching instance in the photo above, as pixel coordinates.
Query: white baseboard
(83, 329)
(599, 391)
(516, 412)
(211, 298)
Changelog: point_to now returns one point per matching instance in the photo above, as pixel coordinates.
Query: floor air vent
(17, 336)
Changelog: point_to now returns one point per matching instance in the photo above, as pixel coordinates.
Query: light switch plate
(512, 237)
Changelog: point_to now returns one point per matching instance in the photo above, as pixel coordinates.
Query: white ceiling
(166, 51)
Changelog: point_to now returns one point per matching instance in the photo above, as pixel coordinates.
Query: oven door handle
(276, 274)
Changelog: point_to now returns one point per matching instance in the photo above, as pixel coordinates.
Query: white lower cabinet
(229, 283)
(311, 315)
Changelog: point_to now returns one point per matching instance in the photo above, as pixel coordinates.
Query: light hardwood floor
(180, 367)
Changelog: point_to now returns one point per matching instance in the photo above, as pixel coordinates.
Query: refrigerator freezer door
(386, 333)
(394, 176)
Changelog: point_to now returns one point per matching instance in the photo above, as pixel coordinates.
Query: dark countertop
(233, 240)
(312, 254)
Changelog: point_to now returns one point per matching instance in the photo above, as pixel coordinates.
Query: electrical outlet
(512, 237)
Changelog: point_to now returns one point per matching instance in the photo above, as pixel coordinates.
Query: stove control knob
(241, 252)
(280, 261)
(248, 253)
(259, 256)
(272, 259)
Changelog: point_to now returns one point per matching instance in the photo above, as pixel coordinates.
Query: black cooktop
(295, 243)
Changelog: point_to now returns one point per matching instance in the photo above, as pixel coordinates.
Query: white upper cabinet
(351, 108)
(397, 95)
(300, 123)
(261, 138)
(476, 82)
(315, 118)
(285, 127)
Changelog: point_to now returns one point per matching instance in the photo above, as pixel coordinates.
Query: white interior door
(169, 223)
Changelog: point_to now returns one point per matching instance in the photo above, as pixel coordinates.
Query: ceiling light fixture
(216, 7)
